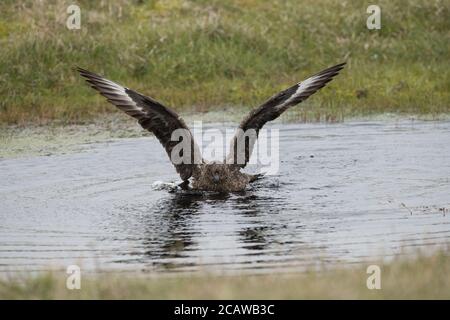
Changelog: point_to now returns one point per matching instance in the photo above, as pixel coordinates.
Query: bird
(197, 173)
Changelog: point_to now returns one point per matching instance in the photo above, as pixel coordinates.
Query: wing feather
(151, 115)
(271, 110)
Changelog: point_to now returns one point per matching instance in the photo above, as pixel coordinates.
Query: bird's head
(216, 173)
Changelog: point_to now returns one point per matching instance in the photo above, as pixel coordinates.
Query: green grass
(425, 277)
(203, 55)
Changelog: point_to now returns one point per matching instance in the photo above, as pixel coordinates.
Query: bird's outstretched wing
(151, 115)
(244, 140)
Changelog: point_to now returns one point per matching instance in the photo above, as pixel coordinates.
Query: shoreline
(55, 138)
(429, 271)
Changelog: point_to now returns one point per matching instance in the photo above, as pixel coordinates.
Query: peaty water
(346, 193)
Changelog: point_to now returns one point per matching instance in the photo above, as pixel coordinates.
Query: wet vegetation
(223, 55)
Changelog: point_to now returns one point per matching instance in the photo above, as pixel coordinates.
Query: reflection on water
(346, 193)
(171, 226)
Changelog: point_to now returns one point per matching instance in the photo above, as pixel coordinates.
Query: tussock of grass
(422, 278)
(202, 55)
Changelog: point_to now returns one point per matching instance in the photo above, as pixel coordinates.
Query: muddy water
(346, 193)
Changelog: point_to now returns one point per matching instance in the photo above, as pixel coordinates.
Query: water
(346, 193)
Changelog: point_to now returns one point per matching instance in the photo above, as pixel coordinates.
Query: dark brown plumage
(274, 107)
(162, 121)
(151, 115)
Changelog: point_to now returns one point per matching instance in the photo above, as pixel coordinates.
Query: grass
(219, 55)
(425, 277)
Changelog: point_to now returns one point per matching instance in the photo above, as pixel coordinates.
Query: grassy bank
(202, 55)
(422, 278)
